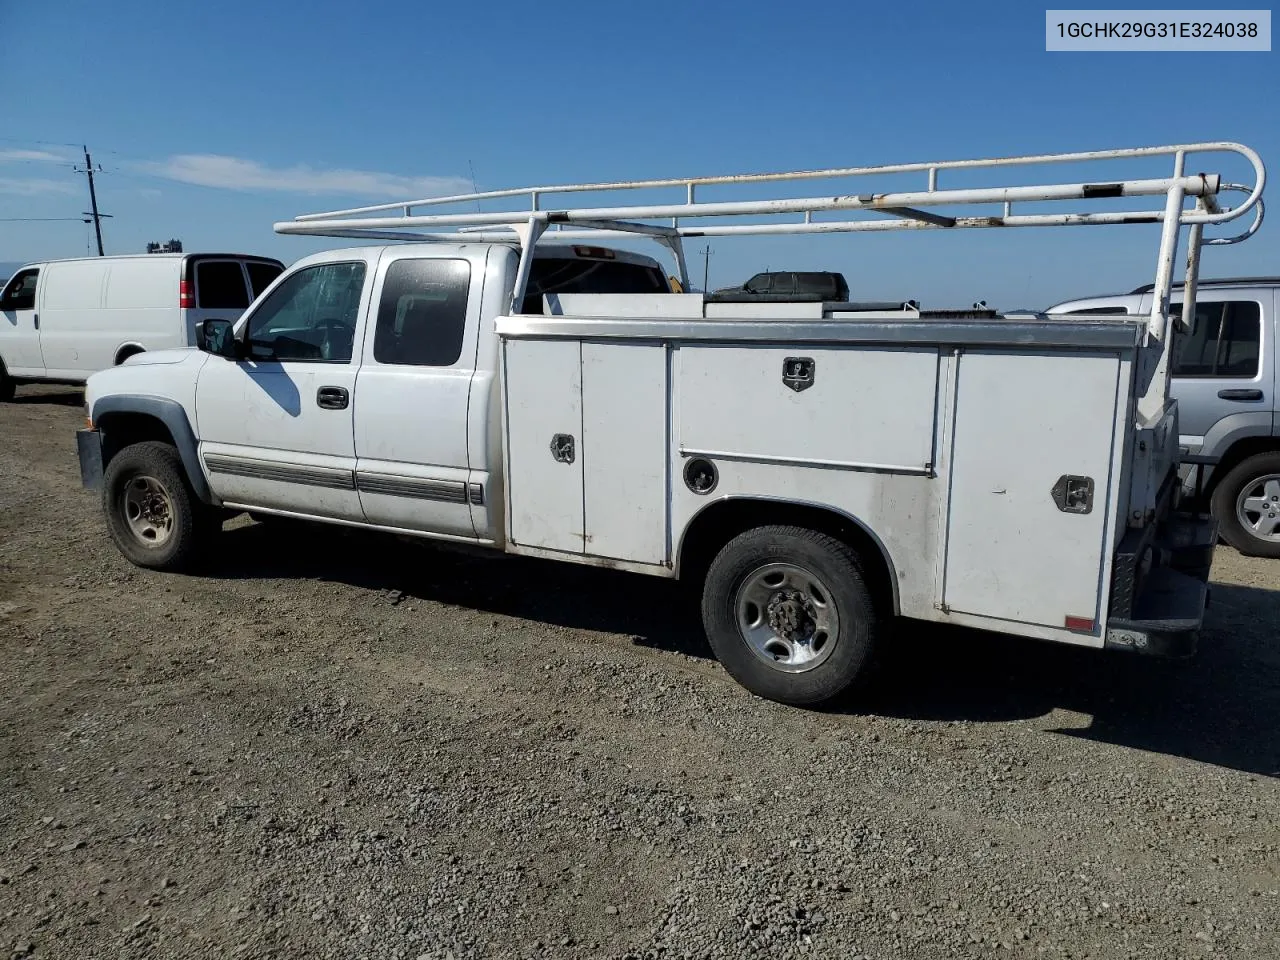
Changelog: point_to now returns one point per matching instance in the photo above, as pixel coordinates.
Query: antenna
(706, 252)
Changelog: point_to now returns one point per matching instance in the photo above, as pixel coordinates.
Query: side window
(20, 292)
(220, 285)
(261, 276)
(422, 316)
(311, 316)
(1224, 341)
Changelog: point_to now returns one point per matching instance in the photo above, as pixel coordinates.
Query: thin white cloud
(236, 173)
(34, 186)
(27, 156)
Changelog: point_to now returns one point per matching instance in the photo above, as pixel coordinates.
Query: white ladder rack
(902, 210)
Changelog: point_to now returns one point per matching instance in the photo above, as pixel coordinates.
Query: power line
(43, 143)
(52, 163)
(41, 219)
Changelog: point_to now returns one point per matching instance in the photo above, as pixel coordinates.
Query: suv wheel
(7, 386)
(1246, 504)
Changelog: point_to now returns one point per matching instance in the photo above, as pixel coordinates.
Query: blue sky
(212, 121)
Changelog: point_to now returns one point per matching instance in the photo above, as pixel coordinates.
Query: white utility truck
(818, 468)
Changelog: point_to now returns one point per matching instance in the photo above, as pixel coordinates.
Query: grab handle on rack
(1258, 213)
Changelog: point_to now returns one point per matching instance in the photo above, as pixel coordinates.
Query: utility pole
(706, 252)
(93, 200)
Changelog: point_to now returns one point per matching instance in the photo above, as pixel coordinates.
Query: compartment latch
(1073, 494)
(562, 448)
(797, 372)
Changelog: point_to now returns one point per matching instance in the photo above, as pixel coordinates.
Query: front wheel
(789, 615)
(152, 513)
(7, 386)
(1246, 504)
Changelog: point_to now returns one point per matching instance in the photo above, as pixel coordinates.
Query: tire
(7, 386)
(152, 513)
(771, 596)
(1246, 504)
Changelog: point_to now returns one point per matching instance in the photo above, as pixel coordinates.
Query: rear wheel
(152, 513)
(1246, 504)
(789, 615)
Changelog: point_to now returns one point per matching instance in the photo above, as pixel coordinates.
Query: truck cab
(359, 387)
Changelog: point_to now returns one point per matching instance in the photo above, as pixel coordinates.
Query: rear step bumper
(1163, 615)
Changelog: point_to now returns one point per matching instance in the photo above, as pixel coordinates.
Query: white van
(65, 319)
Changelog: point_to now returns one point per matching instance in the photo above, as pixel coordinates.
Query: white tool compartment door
(1022, 422)
(544, 443)
(624, 426)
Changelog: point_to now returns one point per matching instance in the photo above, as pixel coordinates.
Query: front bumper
(89, 449)
(1159, 611)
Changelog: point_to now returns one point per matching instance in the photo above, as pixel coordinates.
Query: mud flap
(89, 449)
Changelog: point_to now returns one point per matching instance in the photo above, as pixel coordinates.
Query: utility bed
(890, 420)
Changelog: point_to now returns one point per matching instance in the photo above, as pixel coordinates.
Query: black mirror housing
(217, 338)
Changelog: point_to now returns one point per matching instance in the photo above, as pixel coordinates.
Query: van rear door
(217, 288)
(262, 273)
(222, 287)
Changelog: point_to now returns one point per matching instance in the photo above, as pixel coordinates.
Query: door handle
(1239, 394)
(36, 318)
(333, 398)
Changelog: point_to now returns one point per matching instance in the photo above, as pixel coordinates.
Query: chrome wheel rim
(787, 617)
(1258, 508)
(148, 511)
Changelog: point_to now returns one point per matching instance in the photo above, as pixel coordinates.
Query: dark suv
(789, 285)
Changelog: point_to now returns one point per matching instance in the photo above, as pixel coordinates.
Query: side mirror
(217, 338)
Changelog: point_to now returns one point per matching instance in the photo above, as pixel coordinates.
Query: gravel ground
(337, 745)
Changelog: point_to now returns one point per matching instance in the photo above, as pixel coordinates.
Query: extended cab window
(311, 316)
(220, 285)
(422, 316)
(20, 292)
(1223, 341)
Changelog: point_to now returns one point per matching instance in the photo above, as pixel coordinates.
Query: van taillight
(186, 296)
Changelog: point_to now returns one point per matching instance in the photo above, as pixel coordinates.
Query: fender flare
(174, 417)
(876, 541)
(1229, 431)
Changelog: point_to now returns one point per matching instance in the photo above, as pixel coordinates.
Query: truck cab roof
(544, 251)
